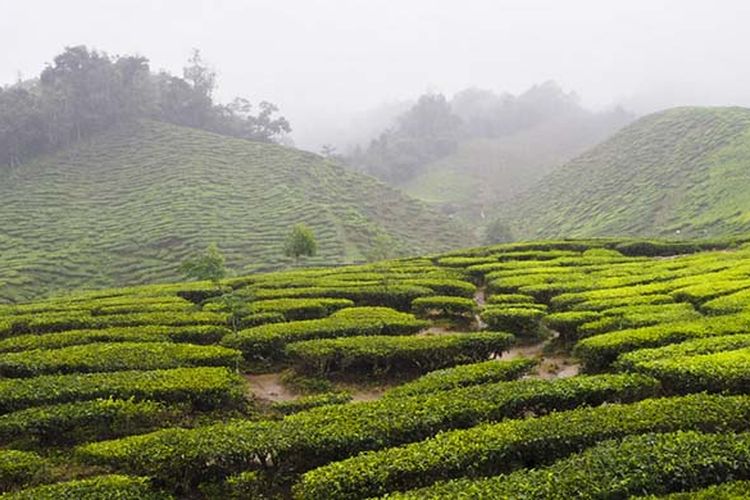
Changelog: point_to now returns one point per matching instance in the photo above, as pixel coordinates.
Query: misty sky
(323, 61)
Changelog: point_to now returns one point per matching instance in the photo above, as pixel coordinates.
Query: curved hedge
(106, 357)
(18, 468)
(112, 486)
(300, 308)
(204, 387)
(444, 305)
(493, 448)
(521, 321)
(734, 490)
(649, 463)
(463, 376)
(397, 296)
(380, 354)
(269, 340)
(309, 439)
(567, 323)
(312, 401)
(98, 419)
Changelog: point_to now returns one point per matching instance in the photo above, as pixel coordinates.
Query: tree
(496, 232)
(382, 247)
(208, 265)
(300, 242)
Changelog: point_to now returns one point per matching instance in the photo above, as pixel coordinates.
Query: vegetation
(300, 243)
(208, 266)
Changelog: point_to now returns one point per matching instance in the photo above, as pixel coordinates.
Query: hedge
(728, 304)
(509, 298)
(206, 334)
(381, 354)
(18, 468)
(709, 345)
(567, 323)
(98, 419)
(444, 286)
(308, 439)
(603, 304)
(734, 490)
(204, 387)
(649, 463)
(521, 321)
(299, 309)
(493, 448)
(113, 486)
(600, 351)
(313, 401)
(638, 316)
(106, 357)
(464, 376)
(444, 305)
(76, 320)
(396, 296)
(718, 372)
(268, 341)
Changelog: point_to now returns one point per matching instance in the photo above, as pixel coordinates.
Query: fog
(325, 63)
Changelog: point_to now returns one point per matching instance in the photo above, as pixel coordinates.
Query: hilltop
(682, 171)
(128, 205)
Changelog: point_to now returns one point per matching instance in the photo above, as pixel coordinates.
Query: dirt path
(268, 387)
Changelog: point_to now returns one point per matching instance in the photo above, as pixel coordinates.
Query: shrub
(381, 354)
(637, 316)
(446, 306)
(396, 296)
(307, 402)
(112, 357)
(207, 334)
(728, 304)
(311, 438)
(98, 419)
(567, 323)
(463, 376)
(112, 486)
(299, 309)
(510, 298)
(444, 286)
(603, 304)
(18, 468)
(205, 387)
(600, 351)
(653, 463)
(522, 321)
(734, 490)
(493, 448)
(268, 341)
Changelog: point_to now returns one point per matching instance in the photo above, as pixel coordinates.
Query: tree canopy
(208, 266)
(300, 242)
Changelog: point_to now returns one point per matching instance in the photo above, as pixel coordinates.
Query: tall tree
(300, 242)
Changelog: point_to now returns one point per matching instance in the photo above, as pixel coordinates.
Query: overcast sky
(322, 61)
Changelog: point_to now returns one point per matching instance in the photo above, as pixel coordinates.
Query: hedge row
(728, 304)
(309, 439)
(567, 323)
(396, 296)
(87, 420)
(600, 351)
(268, 341)
(521, 321)
(718, 372)
(510, 298)
(205, 334)
(464, 376)
(709, 345)
(112, 487)
(68, 304)
(733, 490)
(77, 320)
(381, 354)
(603, 304)
(709, 289)
(493, 448)
(638, 316)
(18, 468)
(445, 306)
(313, 401)
(205, 387)
(112, 357)
(299, 309)
(648, 463)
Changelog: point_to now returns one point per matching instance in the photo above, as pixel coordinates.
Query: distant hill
(129, 205)
(685, 171)
(484, 172)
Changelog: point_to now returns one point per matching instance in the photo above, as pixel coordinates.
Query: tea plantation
(603, 368)
(130, 204)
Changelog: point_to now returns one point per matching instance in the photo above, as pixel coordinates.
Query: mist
(327, 63)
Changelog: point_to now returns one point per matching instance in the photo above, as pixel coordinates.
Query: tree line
(85, 91)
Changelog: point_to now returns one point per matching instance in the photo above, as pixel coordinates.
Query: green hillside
(129, 205)
(541, 370)
(679, 172)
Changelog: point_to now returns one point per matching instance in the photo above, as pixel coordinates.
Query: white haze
(326, 62)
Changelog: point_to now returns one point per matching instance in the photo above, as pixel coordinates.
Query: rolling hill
(128, 205)
(681, 172)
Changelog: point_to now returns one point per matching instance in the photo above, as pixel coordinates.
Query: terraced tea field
(129, 205)
(557, 369)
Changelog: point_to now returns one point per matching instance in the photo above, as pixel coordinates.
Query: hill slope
(683, 170)
(131, 204)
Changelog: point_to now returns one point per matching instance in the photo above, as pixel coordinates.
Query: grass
(128, 206)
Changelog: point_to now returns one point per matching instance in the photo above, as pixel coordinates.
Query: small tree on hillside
(208, 265)
(300, 242)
